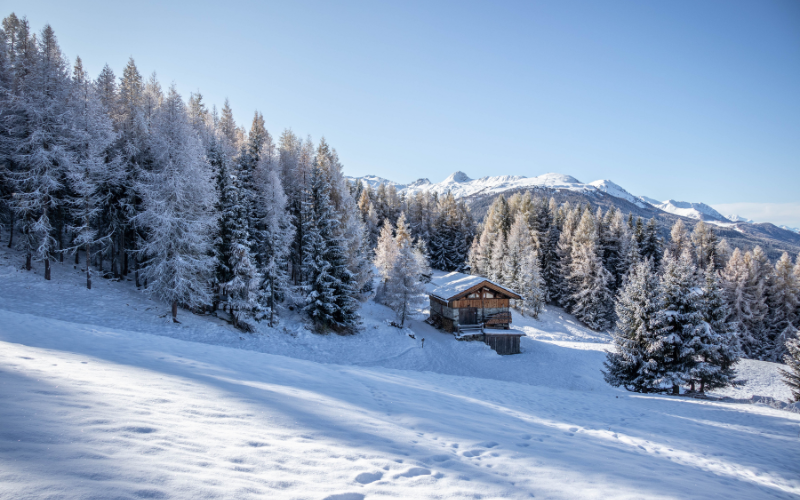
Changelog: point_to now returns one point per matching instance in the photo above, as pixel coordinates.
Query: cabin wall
(478, 303)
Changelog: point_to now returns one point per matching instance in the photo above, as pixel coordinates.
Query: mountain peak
(458, 176)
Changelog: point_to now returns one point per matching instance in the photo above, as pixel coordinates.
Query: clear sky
(694, 101)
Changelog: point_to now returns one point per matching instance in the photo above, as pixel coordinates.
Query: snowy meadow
(105, 398)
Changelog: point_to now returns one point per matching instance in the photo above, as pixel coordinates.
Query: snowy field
(103, 398)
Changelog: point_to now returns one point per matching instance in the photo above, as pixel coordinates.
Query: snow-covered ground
(100, 397)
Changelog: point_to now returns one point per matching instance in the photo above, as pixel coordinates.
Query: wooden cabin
(472, 306)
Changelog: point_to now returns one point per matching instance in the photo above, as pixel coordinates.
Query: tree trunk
(47, 268)
(676, 389)
(78, 255)
(702, 387)
(28, 261)
(175, 311)
(11, 231)
(123, 256)
(136, 271)
(88, 270)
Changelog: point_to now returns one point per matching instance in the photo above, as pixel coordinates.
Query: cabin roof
(450, 286)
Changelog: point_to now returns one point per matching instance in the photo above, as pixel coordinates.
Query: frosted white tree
(93, 169)
(386, 254)
(39, 123)
(404, 289)
(178, 199)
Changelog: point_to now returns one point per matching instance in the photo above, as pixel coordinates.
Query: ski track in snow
(101, 398)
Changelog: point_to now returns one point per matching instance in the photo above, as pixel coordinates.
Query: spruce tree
(680, 316)
(718, 346)
(637, 362)
(783, 302)
(792, 376)
(591, 299)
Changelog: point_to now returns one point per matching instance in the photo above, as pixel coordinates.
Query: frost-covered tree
(178, 201)
(705, 244)
(783, 301)
(636, 364)
(404, 288)
(651, 246)
(591, 299)
(680, 316)
(681, 240)
(717, 346)
(240, 279)
(93, 168)
(386, 253)
(277, 234)
(792, 359)
(38, 144)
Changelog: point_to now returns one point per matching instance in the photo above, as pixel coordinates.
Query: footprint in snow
(414, 472)
(487, 444)
(345, 496)
(368, 477)
(472, 453)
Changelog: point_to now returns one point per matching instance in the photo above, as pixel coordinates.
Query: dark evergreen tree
(637, 362)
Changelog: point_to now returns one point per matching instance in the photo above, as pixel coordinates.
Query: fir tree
(637, 362)
(792, 359)
(717, 344)
(681, 317)
(591, 299)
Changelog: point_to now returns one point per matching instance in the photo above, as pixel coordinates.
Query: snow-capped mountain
(691, 210)
(462, 185)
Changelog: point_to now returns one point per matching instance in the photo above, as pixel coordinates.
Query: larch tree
(178, 199)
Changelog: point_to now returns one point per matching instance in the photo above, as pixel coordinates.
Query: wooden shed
(467, 305)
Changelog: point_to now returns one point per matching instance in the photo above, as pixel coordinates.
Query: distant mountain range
(479, 193)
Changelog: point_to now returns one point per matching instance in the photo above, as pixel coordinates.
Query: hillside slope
(105, 399)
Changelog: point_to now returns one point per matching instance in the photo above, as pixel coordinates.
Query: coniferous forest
(132, 180)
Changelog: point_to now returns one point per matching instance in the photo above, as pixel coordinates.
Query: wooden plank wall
(487, 303)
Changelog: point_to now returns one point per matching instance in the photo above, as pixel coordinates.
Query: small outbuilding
(471, 306)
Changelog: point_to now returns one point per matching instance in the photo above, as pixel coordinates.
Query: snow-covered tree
(93, 168)
(783, 301)
(637, 362)
(38, 144)
(404, 288)
(705, 244)
(681, 240)
(792, 359)
(178, 200)
(591, 299)
(277, 234)
(717, 346)
(681, 318)
(240, 281)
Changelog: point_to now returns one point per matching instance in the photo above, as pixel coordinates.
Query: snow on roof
(454, 283)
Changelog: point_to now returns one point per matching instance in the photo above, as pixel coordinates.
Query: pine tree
(241, 280)
(717, 344)
(759, 284)
(791, 377)
(651, 245)
(681, 317)
(637, 363)
(93, 169)
(38, 143)
(178, 200)
(277, 234)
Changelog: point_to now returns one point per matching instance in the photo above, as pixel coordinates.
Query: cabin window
(473, 296)
(488, 294)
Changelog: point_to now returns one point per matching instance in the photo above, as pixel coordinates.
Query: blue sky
(695, 101)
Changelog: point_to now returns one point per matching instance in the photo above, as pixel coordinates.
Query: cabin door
(468, 316)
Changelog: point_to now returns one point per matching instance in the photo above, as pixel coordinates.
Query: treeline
(583, 259)
(137, 181)
(444, 224)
